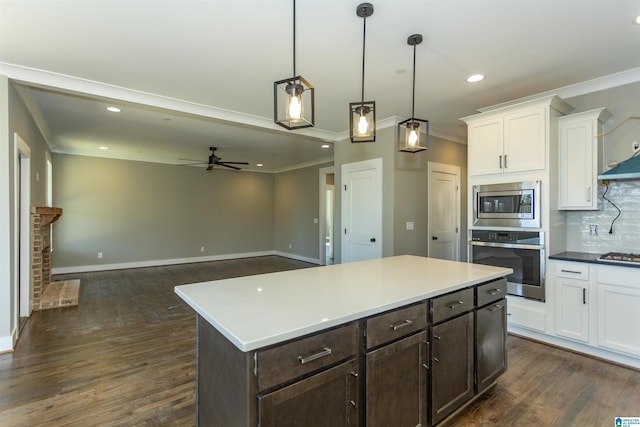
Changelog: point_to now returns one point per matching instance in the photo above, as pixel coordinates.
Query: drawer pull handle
(352, 403)
(495, 291)
(494, 308)
(325, 352)
(571, 271)
(454, 305)
(401, 325)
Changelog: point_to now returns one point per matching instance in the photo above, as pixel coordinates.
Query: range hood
(629, 169)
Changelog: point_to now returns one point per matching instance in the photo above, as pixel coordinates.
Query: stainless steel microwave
(515, 204)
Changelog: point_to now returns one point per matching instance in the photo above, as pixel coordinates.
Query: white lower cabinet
(619, 309)
(527, 314)
(572, 288)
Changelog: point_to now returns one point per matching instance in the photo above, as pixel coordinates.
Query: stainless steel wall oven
(515, 204)
(523, 251)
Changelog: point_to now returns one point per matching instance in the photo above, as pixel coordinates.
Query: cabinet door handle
(401, 324)
(570, 271)
(505, 161)
(584, 295)
(456, 304)
(588, 194)
(325, 352)
(500, 161)
(435, 357)
(494, 308)
(495, 291)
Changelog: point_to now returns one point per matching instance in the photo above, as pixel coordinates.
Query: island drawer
(451, 305)
(396, 324)
(491, 291)
(286, 362)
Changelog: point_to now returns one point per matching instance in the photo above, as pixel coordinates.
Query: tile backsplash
(626, 229)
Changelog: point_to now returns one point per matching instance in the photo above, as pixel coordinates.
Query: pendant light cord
(413, 91)
(294, 38)
(364, 39)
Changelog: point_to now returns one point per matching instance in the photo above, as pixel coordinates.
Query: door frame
(22, 225)
(450, 170)
(322, 215)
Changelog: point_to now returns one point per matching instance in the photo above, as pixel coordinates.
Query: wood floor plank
(125, 356)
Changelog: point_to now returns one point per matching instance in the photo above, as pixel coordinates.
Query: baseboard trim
(157, 263)
(297, 257)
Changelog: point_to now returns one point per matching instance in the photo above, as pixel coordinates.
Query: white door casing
(361, 210)
(22, 192)
(322, 214)
(443, 211)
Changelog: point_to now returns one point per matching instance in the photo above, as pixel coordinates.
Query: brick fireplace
(45, 293)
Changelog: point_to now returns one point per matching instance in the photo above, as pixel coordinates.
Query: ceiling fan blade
(229, 166)
(193, 164)
(233, 163)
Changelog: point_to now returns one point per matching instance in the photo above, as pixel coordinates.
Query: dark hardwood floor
(126, 357)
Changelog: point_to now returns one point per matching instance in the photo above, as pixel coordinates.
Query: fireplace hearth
(46, 294)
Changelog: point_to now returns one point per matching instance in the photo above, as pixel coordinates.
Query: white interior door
(443, 225)
(361, 210)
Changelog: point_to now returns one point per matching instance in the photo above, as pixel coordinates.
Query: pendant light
(413, 134)
(293, 98)
(362, 115)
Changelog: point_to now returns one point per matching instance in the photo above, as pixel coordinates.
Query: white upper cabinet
(511, 139)
(580, 159)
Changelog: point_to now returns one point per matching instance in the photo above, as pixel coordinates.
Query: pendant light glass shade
(362, 121)
(362, 114)
(293, 98)
(413, 134)
(293, 103)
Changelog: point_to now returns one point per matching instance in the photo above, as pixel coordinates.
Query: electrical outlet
(409, 225)
(593, 230)
(201, 248)
(99, 255)
(635, 146)
(289, 245)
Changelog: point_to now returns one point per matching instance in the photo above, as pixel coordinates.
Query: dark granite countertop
(588, 258)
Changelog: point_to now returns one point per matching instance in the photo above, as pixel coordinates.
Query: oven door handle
(505, 245)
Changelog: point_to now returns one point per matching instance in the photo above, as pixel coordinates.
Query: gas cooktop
(622, 258)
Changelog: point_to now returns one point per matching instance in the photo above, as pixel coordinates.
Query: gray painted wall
(296, 207)
(136, 211)
(411, 195)
(15, 118)
(404, 191)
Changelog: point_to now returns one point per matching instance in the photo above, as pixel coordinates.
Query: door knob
(434, 238)
(373, 239)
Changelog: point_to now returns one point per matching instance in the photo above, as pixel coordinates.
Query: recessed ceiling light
(325, 146)
(259, 164)
(637, 20)
(114, 109)
(102, 147)
(474, 78)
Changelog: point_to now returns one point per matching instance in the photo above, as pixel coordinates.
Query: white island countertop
(258, 311)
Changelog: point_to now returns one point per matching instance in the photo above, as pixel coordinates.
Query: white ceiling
(190, 74)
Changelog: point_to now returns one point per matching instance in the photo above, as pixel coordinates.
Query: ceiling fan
(217, 161)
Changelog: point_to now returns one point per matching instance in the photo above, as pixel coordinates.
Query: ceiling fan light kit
(413, 133)
(362, 115)
(293, 98)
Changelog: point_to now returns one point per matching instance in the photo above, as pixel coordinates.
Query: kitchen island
(322, 346)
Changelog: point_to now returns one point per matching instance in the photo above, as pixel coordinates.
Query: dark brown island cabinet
(411, 366)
